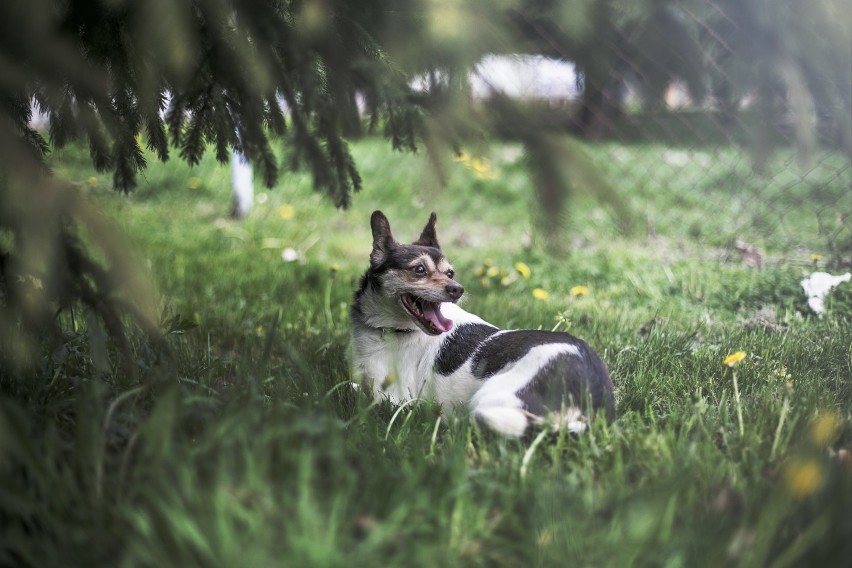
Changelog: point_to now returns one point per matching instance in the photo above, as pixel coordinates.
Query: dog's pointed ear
(382, 238)
(429, 238)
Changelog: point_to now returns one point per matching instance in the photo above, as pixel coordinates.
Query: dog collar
(392, 330)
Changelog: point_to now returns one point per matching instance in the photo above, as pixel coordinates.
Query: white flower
(818, 285)
(290, 255)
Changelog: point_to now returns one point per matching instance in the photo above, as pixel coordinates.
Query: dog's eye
(451, 273)
(420, 269)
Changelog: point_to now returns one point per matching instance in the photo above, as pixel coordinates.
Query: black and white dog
(411, 340)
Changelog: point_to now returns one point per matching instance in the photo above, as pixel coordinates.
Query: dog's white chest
(400, 367)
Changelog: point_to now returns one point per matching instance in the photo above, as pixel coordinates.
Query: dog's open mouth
(427, 314)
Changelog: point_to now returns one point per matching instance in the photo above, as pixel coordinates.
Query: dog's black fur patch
(402, 256)
(511, 346)
(460, 345)
(571, 380)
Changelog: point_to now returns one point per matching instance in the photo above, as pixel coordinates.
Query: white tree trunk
(241, 181)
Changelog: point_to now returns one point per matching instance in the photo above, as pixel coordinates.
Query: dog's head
(410, 281)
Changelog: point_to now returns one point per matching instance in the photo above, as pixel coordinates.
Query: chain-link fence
(741, 110)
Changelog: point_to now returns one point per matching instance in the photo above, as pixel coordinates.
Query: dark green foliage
(209, 72)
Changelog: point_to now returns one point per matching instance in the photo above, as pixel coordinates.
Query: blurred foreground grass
(244, 446)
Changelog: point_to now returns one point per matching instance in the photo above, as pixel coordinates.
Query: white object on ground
(290, 255)
(818, 285)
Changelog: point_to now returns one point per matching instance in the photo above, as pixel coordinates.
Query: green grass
(242, 446)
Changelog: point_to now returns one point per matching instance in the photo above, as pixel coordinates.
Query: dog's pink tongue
(432, 312)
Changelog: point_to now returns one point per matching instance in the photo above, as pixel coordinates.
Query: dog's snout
(455, 290)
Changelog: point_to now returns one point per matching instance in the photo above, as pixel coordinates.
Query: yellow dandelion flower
(481, 167)
(334, 267)
(579, 290)
(485, 282)
(480, 271)
(462, 156)
(824, 429)
(92, 181)
(506, 280)
(193, 183)
(259, 331)
(492, 272)
(487, 262)
(734, 358)
(524, 270)
(286, 212)
(816, 257)
(802, 477)
(541, 294)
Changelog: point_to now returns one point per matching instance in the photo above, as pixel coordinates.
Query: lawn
(242, 443)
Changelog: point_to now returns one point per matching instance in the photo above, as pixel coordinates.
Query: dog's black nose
(455, 290)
